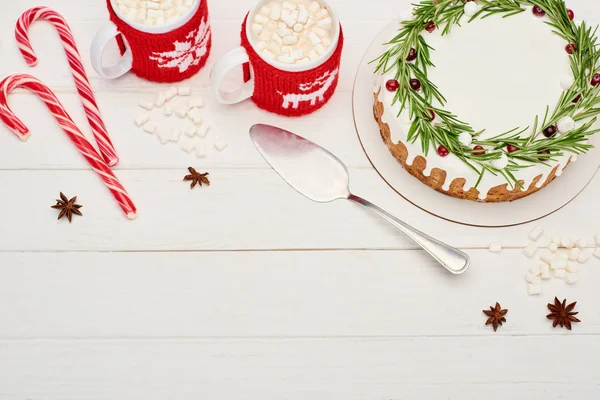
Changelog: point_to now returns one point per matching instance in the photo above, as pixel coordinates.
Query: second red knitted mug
(167, 52)
(282, 88)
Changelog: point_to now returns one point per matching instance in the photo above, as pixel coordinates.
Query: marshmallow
(149, 127)
(584, 256)
(285, 59)
(196, 102)
(150, 5)
(265, 10)
(190, 131)
(530, 250)
(571, 279)
(553, 247)
(465, 138)
(560, 273)
(297, 54)
(556, 239)
(597, 253)
(261, 45)
(320, 49)
(268, 54)
(166, 4)
(188, 144)
(559, 264)
(547, 257)
(290, 39)
(536, 233)
(160, 21)
(141, 119)
(147, 104)
(471, 8)
(314, 38)
(220, 144)
(566, 242)
(545, 271)
(533, 290)
(495, 247)
(203, 130)
(531, 278)
(325, 22)
(163, 135)
(197, 118)
(201, 150)
(275, 13)
(184, 91)
(314, 7)
(175, 135)
(181, 111)
(581, 243)
(160, 99)
(535, 271)
(188, 3)
(168, 110)
(170, 93)
(303, 15)
(573, 267)
(574, 253)
(566, 82)
(257, 28)
(155, 13)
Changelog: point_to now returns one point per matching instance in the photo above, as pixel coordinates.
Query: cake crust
(437, 177)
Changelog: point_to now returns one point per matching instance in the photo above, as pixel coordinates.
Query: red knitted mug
(162, 53)
(285, 89)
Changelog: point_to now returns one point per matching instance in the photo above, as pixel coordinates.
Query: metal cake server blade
(319, 175)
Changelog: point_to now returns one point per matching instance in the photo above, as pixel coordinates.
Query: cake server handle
(451, 258)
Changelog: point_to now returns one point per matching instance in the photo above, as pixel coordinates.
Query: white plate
(538, 205)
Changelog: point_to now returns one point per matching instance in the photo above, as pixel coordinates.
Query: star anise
(67, 207)
(196, 178)
(496, 316)
(562, 314)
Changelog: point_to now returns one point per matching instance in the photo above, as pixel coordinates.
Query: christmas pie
(488, 109)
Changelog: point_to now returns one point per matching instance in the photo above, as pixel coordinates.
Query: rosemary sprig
(533, 149)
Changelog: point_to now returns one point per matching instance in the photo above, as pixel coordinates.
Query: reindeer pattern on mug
(323, 84)
(187, 53)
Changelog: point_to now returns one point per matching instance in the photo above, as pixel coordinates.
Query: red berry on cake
(412, 55)
(596, 80)
(511, 149)
(443, 151)
(571, 48)
(543, 152)
(430, 27)
(392, 85)
(478, 150)
(550, 131)
(576, 99)
(538, 12)
(571, 14)
(415, 84)
(431, 115)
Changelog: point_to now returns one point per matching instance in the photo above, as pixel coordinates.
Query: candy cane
(68, 126)
(82, 83)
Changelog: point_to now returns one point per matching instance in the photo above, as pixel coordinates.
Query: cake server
(322, 177)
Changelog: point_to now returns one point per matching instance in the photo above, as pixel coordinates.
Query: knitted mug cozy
(291, 93)
(167, 57)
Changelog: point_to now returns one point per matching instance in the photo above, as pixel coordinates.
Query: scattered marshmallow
(584, 257)
(556, 239)
(141, 119)
(181, 112)
(175, 135)
(547, 257)
(203, 130)
(160, 100)
(147, 104)
(531, 278)
(545, 271)
(188, 144)
(535, 271)
(553, 247)
(163, 135)
(597, 238)
(573, 267)
(559, 273)
(581, 243)
(201, 150)
(184, 91)
(574, 253)
(566, 242)
(171, 93)
(197, 118)
(536, 233)
(597, 253)
(530, 250)
(471, 8)
(533, 289)
(190, 131)
(150, 127)
(571, 279)
(196, 102)
(559, 263)
(168, 110)
(221, 144)
(495, 247)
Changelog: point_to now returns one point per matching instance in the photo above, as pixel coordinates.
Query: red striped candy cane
(68, 126)
(82, 83)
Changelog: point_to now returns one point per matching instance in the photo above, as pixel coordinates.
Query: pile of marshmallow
(189, 111)
(154, 12)
(559, 258)
(292, 31)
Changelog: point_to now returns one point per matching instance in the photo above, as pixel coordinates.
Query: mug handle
(234, 59)
(104, 36)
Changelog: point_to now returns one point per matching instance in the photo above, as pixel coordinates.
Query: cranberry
(596, 80)
(480, 151)
(415, 84)
(576, 99)
(430, 27)
(543, 152)
(538, 12)
(511, 149)
(571, 14)
(431, 115)
(412, 55)
(550, 131)
(443, 151)
(435, 2)
(571, 48)
(392, 85)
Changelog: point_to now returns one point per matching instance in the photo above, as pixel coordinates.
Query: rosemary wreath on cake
(565, 129)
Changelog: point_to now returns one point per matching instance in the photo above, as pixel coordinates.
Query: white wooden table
(246, 290)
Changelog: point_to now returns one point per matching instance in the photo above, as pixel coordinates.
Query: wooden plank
(276, 294)
(522, 368)
(242, 209)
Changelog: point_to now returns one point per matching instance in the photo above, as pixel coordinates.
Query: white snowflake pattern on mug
(186, 53)
(323, 83)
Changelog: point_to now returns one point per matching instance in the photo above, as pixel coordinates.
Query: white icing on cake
(496, 74)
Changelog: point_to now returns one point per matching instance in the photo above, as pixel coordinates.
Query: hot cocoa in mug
(162, 41)
(290, 56)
